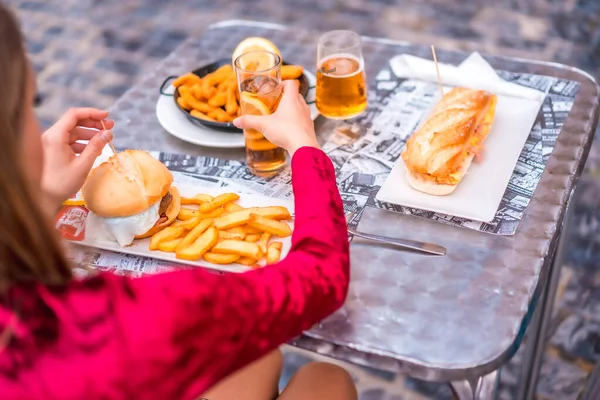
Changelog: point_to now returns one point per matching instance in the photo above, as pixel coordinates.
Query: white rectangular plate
(478, 195)
(141, 247)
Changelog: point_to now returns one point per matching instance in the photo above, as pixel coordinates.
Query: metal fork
(404, 244)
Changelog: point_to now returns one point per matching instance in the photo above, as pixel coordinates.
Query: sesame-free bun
(431, 187)
(439, 153)
(171, 213)
(127, 187)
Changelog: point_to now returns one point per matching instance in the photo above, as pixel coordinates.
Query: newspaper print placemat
(397, 106)
(363, 154)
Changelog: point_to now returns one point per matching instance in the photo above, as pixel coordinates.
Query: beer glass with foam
(341, 81)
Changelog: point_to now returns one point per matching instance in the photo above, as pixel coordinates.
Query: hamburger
(438, 155)
(132, 197)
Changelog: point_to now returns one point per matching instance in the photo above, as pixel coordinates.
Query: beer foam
(358, 60)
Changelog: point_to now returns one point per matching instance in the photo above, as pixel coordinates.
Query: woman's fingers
(96, 124)
(82, 133)
(89, 135)
(83, 163)
(89, 117)
(78, 147)
(256, 122)
(290, 90)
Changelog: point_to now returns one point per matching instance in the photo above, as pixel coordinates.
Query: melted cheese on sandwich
(123, 230)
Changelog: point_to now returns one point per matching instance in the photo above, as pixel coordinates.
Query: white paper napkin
(474, 73)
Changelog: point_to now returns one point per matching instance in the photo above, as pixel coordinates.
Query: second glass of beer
(259, 82)
(341, 81)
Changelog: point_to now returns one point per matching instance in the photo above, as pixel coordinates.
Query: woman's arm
(203, 326)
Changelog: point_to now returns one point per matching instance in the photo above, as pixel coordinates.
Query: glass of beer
(341, 81)
(259, 82)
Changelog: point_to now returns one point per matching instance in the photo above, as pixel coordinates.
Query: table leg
(537, 332)
(483, 388)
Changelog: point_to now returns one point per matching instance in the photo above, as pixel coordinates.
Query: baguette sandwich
(439, 153)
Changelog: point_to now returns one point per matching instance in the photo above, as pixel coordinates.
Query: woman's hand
(64, 172)
(290, 127)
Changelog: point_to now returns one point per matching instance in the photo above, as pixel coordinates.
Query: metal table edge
(412, 367)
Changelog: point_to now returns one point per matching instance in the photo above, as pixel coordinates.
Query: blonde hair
(30, 250)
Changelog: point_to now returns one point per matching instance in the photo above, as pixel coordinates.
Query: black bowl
(205, 70)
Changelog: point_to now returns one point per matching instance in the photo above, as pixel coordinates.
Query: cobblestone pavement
(88, 52)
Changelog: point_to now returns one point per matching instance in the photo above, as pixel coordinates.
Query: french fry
(189, 224)
(239, 233)
(169, 233)
(202, 245)
(200, 115)
(192, 101)
(252, 231)
(191, 201)
(242, 217)
(244, 249)
(231, 235)
(186, 213)
(291, 72)
(238, 229)
(221, 74)
(198, 199)
(215, 258)
(197, 91)
(274, 252)
(231, 106)
(219, 201)
(248, 261)
(220, 115)
(183, 104)
(181, 80)
(74, 202)
(232, 207)
(169, 246)
(204, 198)
(223, 86)
(207, 91)
(253, 238)
(214, 213)
(218, 100)
(263, 242)
(276, 228)
(186, 79)
(194, 234)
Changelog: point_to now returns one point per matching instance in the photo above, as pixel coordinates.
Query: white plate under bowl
(141, 247)
(176, 124)
(478, 195)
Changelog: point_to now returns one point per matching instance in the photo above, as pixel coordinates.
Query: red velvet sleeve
(187, 330)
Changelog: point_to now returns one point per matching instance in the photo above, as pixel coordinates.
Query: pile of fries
(222, 232)
(215, 97)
